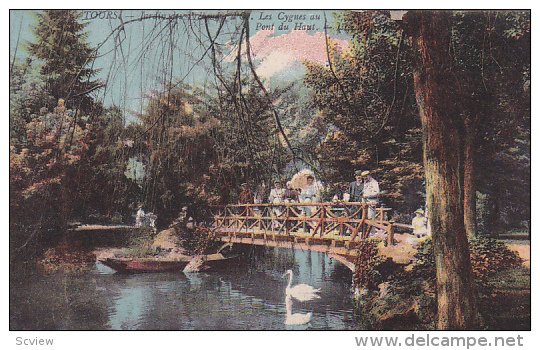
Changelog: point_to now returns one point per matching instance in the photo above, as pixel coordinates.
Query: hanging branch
(263, 89)
(330, 65)
(267, 95)
(391, 107)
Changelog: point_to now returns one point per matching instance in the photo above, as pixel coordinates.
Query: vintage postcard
(270, 170)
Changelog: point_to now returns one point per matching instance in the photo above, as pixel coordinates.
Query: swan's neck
(290, 280)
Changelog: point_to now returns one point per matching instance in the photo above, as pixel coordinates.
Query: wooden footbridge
(333, 228)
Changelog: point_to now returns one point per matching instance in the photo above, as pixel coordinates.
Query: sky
(281, 41)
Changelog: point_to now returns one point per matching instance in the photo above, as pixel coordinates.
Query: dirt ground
(523, 248)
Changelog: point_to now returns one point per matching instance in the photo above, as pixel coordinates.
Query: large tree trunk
(443, 162)
(469, 188)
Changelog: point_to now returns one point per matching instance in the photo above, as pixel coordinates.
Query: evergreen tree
(61, 46)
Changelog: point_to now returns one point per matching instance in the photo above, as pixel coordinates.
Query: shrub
(366, 274)
(487, 257)
(197, 240)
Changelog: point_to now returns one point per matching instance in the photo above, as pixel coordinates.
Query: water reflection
(250, 297)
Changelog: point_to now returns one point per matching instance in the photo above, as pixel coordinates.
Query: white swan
(294, 319)
(302, 292)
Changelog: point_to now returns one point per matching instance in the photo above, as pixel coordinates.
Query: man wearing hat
(246, 196)
(356, 188)
(370, 193)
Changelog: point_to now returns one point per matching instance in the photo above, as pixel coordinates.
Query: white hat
(365, 173)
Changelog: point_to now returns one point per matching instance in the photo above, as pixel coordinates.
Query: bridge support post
(390, 237)
(363, 226)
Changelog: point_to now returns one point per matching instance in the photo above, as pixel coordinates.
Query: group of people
(279, 194)
(143, 219)
(364, 189)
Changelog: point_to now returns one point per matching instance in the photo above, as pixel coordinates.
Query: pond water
(250, 297)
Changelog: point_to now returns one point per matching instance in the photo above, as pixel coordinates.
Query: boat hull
(144, 265)
(134, 265)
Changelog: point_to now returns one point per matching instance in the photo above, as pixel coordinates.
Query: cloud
(276, 54)
(275, 63)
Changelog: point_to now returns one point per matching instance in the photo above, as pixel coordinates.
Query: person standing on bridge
(354, 194)
(276, 197)
(290, 195)
(310, 194)
(260, 193)
(277, 193)
(356, 189)
(370, 193)
(246, 196)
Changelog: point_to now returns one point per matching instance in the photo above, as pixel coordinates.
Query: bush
(197, 240)
(487, 257)
(366, 274)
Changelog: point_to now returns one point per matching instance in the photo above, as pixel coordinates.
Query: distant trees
(199, 149)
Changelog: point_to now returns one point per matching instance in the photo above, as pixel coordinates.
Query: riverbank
(403, 296)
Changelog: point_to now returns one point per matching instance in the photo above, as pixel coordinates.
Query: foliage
(424, 261)
(410, 296)
(143, 250)
(104, 163)
(197, 240)
(27, 95)
(56, 159)
(366, 274)
(199, 150)
(65, 57)
(367, 98)
(488, 256)
(491, 52)
(52, 144)
(67, 257)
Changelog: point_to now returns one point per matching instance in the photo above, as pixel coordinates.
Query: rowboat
(133, 265)
(163, 264)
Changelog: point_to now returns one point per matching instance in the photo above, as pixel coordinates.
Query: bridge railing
(338, 221)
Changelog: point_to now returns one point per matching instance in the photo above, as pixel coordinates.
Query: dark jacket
(246, 197)
(291, 194)
(355, 191)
